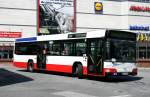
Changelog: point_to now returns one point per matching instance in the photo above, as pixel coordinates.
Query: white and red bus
(97, 53)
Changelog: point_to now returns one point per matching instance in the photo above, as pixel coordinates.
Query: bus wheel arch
(30, 65)
(77, 69)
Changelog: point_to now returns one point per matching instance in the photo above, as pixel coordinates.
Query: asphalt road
(16, 82)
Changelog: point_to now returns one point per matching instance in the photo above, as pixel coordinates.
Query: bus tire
(30, 66)
(78, 70)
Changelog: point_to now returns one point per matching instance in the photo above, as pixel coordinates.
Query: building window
(142, 52)
(6, 53)
(148, 52)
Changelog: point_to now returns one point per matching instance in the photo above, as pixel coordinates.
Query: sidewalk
(11, 63)
(6, 63)
(144, 68)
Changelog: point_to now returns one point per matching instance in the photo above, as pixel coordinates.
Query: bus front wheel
(30, 66)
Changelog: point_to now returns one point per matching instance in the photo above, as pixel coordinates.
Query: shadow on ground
(115, 79)
(8, 78)
(112, 79)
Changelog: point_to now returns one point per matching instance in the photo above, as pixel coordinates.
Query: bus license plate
(125, 73)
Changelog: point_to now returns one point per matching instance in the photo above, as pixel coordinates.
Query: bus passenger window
(65, 51)
(79, 53)
(56, 52)
(80, 49)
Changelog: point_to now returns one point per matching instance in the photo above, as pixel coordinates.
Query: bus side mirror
(84, 55)
(113, 60)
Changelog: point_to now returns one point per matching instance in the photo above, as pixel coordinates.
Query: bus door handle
(46, 60)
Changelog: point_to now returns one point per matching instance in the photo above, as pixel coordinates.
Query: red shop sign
(140, 8)
(10, 34)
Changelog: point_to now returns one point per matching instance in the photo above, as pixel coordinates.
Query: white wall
(98, 21)
(109, 19)
(87, 6)
(18, 16)
(26, 4)
(116, 15)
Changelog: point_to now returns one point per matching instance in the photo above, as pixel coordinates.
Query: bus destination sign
(79, 35)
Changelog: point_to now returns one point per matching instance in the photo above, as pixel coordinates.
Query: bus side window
(80, 53)
(65, 51)
(54, 48)
(56, 51)
(80, 49)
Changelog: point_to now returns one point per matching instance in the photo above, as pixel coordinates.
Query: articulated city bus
(96, 53)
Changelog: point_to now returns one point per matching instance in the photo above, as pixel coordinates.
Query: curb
(142, 68)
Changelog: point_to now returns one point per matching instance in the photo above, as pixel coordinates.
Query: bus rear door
(41, 57)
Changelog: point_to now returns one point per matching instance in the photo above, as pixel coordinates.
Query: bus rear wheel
(78, 71)
(30, 66)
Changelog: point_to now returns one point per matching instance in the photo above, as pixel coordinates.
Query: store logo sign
(143, 37)
(141, 28)
(10, 34)
(98, 6)
(140, 8)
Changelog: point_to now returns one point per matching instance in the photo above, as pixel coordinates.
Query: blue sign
(141, 28)
(31, 39)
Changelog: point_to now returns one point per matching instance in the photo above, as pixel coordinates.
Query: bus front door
(95, 61)
(41, 59)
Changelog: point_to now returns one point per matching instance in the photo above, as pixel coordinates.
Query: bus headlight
(110, 70)
(107, 70)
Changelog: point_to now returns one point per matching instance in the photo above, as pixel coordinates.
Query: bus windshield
(122, 50)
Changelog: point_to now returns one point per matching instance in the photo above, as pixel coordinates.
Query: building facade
(18, 18)
(115, 14)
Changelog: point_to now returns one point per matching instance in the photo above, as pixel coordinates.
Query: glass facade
(143, 50)
(6, 53)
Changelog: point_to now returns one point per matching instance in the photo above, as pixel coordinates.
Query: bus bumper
(115, 73)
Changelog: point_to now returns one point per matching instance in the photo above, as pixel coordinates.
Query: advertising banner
(10, 34)
(56, 16)
(143, 37)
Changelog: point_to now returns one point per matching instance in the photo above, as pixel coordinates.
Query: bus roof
(76, 35)
(66, 36)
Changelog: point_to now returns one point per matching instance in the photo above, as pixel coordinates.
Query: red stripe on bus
(20, 64)
(56, 67)
(62, 68)
(51, 67)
